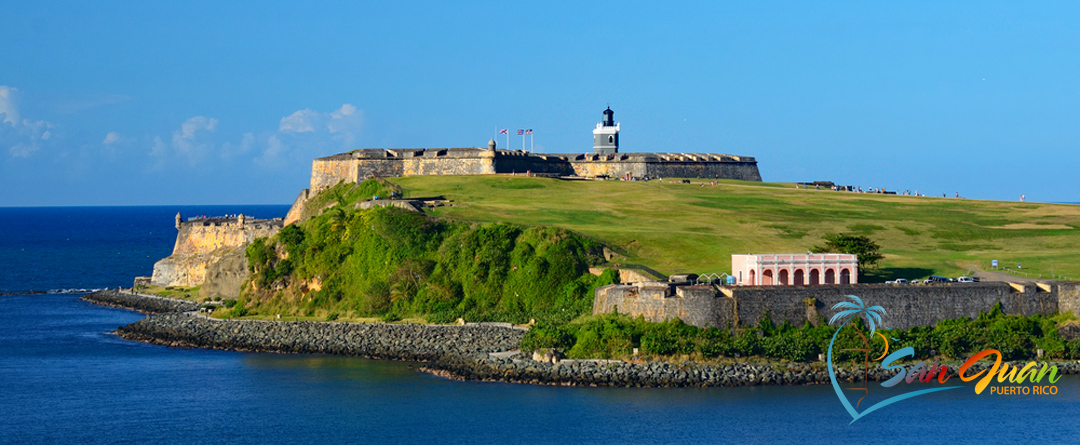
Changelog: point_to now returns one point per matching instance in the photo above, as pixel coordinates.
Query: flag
(529, 131)
(521, 132)
(504, 131)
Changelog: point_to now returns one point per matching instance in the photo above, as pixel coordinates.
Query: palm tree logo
(852, 310)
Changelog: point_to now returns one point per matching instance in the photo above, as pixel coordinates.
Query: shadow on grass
(891, 273)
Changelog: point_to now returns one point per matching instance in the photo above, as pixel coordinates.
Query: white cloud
(307, 133)
(111, 138)
(302, 121)
(345, 122)
(7, 105)
(22, 137)
(189, 140)
(230, 150)
(271, 157)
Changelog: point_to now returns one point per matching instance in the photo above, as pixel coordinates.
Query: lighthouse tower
(606, 134)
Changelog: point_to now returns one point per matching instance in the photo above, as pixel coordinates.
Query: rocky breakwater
(661, 374)
(372, 340)
(147, 304)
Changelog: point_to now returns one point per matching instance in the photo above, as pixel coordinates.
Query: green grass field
(680, 228)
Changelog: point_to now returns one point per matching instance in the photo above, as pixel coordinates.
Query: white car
(964, 280)
(901, 281)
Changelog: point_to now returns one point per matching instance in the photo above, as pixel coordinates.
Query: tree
(862, 246)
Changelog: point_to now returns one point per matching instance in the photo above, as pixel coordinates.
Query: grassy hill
(677, 228)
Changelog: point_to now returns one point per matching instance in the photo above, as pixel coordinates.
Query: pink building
(804, 269)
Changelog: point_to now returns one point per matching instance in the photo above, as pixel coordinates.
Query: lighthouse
(606, 134)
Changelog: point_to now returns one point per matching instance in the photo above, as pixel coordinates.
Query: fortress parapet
(907, 305)
(605, 161)
(203, 242)
(358, 165)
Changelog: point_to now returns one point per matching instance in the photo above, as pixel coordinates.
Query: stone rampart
(358, 165)
(203, 242)
(906, 305)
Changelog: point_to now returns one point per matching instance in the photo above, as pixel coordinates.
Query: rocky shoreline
(477, 353)
(373, 340)
(660, 374)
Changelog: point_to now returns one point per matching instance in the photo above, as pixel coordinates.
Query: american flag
(529, 131)
(521, 132)
(504, 131)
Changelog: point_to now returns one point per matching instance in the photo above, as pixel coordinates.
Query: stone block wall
(358, 165)
(201, 243)
(906, 305)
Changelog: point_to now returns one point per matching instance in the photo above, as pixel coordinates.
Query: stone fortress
(604, 162)
(210, 252)
(701, 303)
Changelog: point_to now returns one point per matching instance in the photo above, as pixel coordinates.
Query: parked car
(938, 279)
(964, 280)
(901, 281)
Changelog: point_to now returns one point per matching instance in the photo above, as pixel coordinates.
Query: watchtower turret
(491, 144)
(606, 134)
(179, 219)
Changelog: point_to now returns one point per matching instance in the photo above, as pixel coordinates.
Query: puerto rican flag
(521, 132)
(504, 131)
(529, 131)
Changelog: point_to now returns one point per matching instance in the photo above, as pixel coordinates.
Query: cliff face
(212, 249)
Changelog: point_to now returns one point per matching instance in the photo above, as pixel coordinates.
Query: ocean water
(65, 379)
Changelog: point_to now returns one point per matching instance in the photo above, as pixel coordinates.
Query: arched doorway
(766, 278)
(799, 277)
(815, 276)
(753, 277)
(830, 276)
(845, 276)
(784, 277)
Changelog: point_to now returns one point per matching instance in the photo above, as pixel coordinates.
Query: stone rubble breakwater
(147, 304)
(668, 374)
(373, 340)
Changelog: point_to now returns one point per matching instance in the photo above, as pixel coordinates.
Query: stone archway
(767, 277)
(815, 276)
(784, 277)
(753, 278)
(799, 277)
(830, 276)
(845, 276)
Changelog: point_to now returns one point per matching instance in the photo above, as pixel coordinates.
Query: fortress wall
(746, 171)
(612, 169)
(1069, 297)
(200, 244)
(515, 163)
(906, 306)
(383, 168)
(470, 165)
(658, 301)
(296, 211)
(327, 172)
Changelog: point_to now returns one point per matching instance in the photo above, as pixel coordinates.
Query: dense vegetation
(615, 336)
(393, 264)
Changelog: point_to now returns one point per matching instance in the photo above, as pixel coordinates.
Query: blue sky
(142, 103)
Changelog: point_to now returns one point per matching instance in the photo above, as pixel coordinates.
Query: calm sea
(65, 379)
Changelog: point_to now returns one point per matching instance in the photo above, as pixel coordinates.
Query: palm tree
(871, 314)
(852, 310)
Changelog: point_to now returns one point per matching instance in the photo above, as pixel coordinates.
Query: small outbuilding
(795, 269)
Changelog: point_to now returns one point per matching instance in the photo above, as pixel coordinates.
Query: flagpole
(532, 146)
